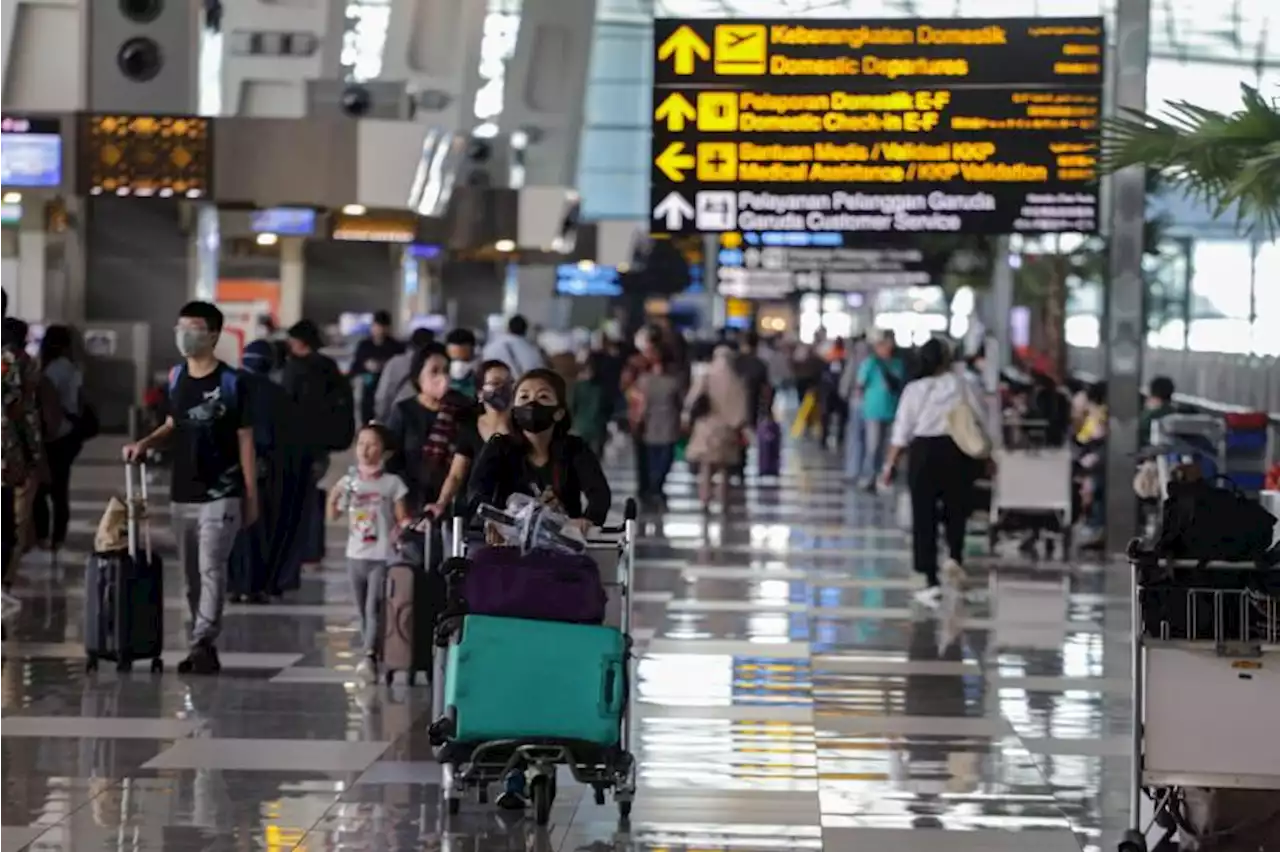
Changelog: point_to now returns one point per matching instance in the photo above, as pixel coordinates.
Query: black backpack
(327, 403)
(1206, 523)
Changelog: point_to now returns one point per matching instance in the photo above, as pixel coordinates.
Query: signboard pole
(1001, 306)
(1124, 328)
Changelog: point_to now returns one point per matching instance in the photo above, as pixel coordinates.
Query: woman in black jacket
(542, 459)
(429, 429)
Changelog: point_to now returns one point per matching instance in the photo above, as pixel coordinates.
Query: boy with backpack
(215, 482)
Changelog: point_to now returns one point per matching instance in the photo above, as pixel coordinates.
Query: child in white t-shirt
(373, 501)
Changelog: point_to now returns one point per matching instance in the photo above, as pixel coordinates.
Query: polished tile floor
(789, 695)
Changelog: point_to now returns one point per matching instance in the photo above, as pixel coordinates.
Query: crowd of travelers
(439, 425)
(890, 407)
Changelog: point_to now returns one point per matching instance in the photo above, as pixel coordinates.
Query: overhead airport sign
(766, 272)
(877, 127)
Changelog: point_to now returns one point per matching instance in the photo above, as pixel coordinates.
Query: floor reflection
(788, 694)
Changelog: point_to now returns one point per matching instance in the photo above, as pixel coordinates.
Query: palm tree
(1227, 160)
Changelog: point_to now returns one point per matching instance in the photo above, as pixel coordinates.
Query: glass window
(1213, 85)
(1166, 274)
(1221, 279)
(1266, 299)
(1221, 296)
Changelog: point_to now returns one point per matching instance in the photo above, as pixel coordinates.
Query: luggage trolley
(1032, 489)
(475, 766)
(1206, 682)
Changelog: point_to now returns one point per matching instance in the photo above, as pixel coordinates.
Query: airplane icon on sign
(736, 39)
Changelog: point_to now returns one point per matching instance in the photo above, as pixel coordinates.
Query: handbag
(964, 429)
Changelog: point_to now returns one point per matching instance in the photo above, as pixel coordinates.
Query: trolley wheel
(389, 677)
(1133, 841)
(453, 806)
(543, 793)
(124, 665)
(599, 795)
(624, 810)
(157, 665)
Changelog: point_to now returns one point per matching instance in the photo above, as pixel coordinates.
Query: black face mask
(534, 417)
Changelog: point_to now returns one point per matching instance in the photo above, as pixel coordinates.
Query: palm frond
(1227, 160)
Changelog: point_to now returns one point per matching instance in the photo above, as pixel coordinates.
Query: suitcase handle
(613, 689)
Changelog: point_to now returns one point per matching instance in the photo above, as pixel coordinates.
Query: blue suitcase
(515, 678)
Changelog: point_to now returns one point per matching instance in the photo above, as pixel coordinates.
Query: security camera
(139, 59)
(141, 11)
(356, 101)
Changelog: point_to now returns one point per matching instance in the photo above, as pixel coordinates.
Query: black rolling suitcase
(124, 592)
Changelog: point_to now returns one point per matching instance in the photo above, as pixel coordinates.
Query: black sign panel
(146, 155)
(881, 128)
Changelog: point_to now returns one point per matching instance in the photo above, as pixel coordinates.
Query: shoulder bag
(964, 428)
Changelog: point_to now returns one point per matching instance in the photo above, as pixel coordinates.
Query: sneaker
(203, 660)
(952, 574)
(930, 597)
(367, 671)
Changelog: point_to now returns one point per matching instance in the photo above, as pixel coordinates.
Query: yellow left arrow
(672, 160)
(684, 45)
(676, 111)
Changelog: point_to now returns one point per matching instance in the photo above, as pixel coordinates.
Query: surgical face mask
(499, 398)
(534, 417)
(191, 341)
(459, 370)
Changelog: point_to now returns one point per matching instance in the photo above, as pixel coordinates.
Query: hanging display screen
(166, 156)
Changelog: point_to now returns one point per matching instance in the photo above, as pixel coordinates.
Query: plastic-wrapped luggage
(544, 584)
(515, 678)
(124, 592)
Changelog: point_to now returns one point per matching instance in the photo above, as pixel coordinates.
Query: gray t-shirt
(371, 514)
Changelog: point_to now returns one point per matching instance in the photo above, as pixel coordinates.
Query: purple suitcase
(768, 448)
(546, 585)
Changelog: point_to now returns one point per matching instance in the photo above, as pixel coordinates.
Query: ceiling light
(354, 209)
(505, 245)
(12, 197)
(267, 239)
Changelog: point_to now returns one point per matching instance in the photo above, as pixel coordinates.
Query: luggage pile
(533, 675)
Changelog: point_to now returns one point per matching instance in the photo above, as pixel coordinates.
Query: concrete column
(28, 299)
(1124, 334)
(1000, 304)
(293, 275)
(536, 296)
(205, 249)
(413, 290)
(546, 86)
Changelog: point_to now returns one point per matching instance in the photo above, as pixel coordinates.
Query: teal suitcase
(514, 678)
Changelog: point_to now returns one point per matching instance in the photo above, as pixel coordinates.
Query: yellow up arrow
(676, 111)
(672, 160)
(685, 45)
